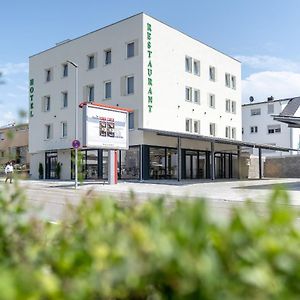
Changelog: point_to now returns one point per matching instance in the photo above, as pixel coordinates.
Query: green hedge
(105, 250)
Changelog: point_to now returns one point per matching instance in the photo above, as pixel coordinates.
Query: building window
(233, 82)
(197, 96)
(227, 105)
(188, 64)
(233, 133)
(188, 125)
(227, 79)
(212, 73)
(64, 129)
(188, 93)
(233, 107)
(255, 112)
(211, 100)
(227, 132)
(48, 75)
(131, 120)
(107, 90)
(271, 108)
(253, 129)
(90, 93)
(48, 131)
(197, 67)
(196, 126)
(91, 62)
(64, 99)
(212, 129)
(274, 129)
(46, 104)
(130, 49)
(1, 136)
(129, 85)
(107, 56)
(65, 70)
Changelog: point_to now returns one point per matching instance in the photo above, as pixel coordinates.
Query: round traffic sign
(75, 144)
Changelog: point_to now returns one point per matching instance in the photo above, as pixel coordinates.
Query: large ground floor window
(157, 163)
(163, 163)
(129, 163)
(93, 163)
(195, 164)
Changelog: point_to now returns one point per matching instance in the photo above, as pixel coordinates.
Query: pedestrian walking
(9, 169)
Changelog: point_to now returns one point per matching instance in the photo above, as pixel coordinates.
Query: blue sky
(263, 35)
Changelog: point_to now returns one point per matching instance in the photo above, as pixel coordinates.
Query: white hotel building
(186, 98)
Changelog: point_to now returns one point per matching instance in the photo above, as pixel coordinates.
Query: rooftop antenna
(251, 98)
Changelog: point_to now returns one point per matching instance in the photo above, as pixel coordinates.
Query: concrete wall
(286, 166)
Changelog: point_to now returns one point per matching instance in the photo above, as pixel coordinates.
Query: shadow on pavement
(288, 186)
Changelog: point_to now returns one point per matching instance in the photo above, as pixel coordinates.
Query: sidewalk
(49, 198)
(220, 190)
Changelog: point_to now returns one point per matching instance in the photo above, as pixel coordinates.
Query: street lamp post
(76, 119)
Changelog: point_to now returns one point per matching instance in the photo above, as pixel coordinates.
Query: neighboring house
(259, 125)
(14, 145)
(173, 83)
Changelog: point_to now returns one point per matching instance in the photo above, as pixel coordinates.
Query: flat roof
(217, 140)
(266, 101)
(91, 32)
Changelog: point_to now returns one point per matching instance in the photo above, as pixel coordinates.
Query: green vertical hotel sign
(31, 94)
(149, 67)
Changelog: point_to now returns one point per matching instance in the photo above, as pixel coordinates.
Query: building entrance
(195, 164)
(50, 163)
(191, 165)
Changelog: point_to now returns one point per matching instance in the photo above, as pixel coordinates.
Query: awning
(217, 140)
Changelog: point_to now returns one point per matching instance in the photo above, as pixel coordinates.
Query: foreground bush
(107, 251)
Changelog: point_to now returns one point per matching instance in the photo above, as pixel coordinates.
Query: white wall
(115, 37)
(288, 137)
(169, 48)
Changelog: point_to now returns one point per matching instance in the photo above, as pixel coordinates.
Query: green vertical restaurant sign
(149, 67)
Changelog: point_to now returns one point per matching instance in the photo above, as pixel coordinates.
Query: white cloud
(12, 69)
(7, 117)
(270, 63)
(277, 84)
(23, 88)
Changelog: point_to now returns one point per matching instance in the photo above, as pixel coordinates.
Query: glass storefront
(195, 164)
(163, 163)
(93, 163)
(225, 165)
(129, 163)
(158, 163)
(88, 164)
(172, 163)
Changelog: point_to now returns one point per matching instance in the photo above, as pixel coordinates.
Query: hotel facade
(185, 97)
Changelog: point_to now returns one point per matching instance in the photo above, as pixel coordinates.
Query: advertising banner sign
(105, 128)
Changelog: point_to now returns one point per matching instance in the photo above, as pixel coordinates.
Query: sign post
(76, 145)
